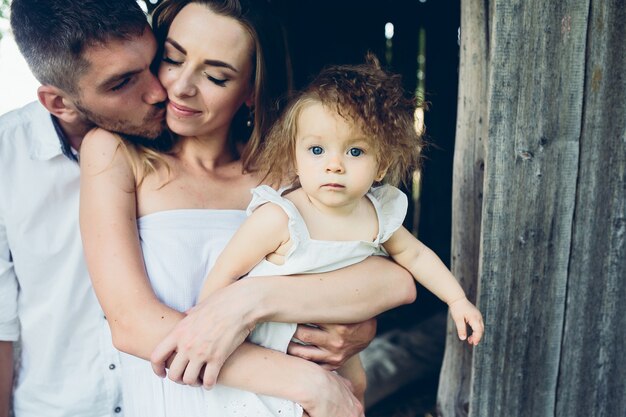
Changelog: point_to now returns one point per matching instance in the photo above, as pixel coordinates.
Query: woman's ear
(250, 100)
(58, 103)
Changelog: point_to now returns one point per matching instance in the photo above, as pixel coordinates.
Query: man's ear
(58, 103)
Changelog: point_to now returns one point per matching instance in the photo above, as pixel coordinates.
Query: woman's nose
(184, 86)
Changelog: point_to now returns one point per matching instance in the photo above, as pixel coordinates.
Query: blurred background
(418, 39)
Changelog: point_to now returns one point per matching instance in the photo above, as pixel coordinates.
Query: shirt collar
(47, 137)
(66, 148)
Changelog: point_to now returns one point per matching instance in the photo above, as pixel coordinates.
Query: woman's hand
(465, 313)
(331, 396)
(204, 339)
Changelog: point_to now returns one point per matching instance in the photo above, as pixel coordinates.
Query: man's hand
(331, 345)
(203, 340)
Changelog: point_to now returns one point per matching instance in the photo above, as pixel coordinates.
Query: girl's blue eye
(316, 150)
(355, 152)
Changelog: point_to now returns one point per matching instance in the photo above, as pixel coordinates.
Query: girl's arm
(262, 233)
(430, 271)
(138, 320)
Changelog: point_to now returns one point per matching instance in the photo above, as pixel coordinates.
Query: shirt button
(112, 366)
(118, 409)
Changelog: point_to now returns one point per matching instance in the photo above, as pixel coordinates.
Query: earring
(250, 120)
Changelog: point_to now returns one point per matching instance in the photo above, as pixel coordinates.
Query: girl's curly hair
(365, 95)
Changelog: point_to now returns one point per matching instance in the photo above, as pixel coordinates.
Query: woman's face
(206, 70)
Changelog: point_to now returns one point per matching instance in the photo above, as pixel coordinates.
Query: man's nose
(156, 93)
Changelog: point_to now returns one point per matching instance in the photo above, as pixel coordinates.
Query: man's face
(119, 92)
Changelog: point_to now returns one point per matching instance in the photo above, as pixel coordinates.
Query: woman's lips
(180, 110)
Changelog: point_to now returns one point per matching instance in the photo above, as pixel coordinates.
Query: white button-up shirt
(68, 365)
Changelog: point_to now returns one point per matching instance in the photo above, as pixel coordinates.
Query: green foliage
(4, 9)
(4, 14)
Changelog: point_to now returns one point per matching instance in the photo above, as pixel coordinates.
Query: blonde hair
(365, 95)
(144, 161)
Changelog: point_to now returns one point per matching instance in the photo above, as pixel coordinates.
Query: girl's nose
(334, 164)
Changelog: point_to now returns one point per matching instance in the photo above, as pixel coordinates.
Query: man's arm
(6, 377)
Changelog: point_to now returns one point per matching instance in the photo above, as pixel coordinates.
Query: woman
(169, 214)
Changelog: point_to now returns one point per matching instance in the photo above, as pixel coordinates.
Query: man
(68, 365)
(93, 61)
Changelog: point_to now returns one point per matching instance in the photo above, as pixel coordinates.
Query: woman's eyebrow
(211, 62)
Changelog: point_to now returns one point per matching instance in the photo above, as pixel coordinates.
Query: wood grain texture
(592, 377)
(471, 134)
(536, 83)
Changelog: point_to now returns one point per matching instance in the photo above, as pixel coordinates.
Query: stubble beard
(151, 127)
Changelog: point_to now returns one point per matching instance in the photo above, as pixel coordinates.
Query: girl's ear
(381, 173)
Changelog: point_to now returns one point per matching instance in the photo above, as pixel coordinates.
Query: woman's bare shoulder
(101, 149)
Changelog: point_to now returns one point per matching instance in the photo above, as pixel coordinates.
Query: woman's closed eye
(170, 61)
(221, 82)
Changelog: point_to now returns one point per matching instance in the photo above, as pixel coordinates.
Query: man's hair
(53, 35)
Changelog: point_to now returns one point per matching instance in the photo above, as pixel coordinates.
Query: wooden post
(467, 192)
(535, 107)
(550, 77)
(592, 379)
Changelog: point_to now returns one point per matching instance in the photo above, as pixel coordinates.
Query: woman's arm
(108, 223)
(321, 393)
(213, 328)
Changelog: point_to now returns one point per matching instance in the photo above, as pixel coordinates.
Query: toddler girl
(342, 143)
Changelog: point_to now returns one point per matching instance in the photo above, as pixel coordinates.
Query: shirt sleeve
(9, 323)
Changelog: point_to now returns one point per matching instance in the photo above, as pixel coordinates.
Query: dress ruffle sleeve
(265, 194)
(392, 204)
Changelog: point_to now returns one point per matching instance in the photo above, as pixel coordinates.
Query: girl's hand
(465, 313)
(331, 396)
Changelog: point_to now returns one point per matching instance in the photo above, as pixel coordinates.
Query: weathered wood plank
(537, 52)
(467, 189)
(592, 378)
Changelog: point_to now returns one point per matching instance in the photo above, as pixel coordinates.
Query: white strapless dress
(179, 248)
